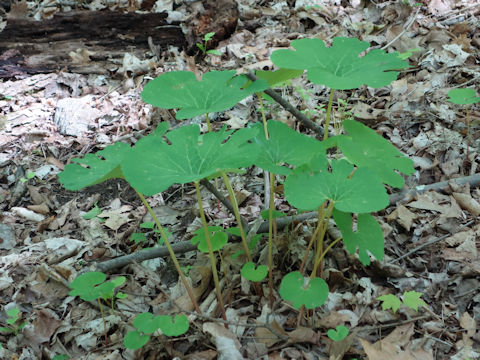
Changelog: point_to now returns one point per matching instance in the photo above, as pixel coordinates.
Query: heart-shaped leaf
(153, 165)
(365, 148)
(292, 288)
(147, 323)
(284, 146)
(368, 237)
(85, 286)
(173, 327)
(339, 334)
(250, 273)
(463, 96)
(135, 340)
(218, 238)
(94, 168)
(340, 66)
(361, 192)
(217, 91)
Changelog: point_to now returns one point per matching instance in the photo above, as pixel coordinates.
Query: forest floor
(431, 237)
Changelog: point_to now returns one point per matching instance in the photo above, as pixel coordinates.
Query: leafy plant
(203, 46)
(28, 176)
(14, 325)
(92, 213)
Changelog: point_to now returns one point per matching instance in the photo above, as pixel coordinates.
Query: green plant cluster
(346, 188)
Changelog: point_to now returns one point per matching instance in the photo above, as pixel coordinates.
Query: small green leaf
(85, 285)
(218, 238)
(217, 91)
(292, 288)
(339, 334)
(390, 301)
(13, 313)
(361, 192)
(368, 237)
(147, 225)
(6, 329)
(250, 273)
(285, 146)
(146, 323)
(365, 148)
(138, 237)
(209, 36)
(463, 96)
(214, 52)
(173, 327)
(94, 168)
(61, 357)
(135, 340)
(412, 300)
(275, 213)
(340, 66)
(92, 213)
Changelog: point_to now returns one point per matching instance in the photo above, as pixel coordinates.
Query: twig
(405, 29)
(428, 243)
(290, 108)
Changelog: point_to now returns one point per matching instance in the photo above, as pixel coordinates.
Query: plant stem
(270, 235)
(104, 323)
(322, 256)
(324, 215)
(262, 110)
(236, 212)
(210, 250)
(209, 125)
(329, 111)
(172, 254)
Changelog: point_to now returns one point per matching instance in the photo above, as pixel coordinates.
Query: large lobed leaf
(153, 165)
(340, 67)
(308, 186)
(284, 146)
(217, 91)
(365, 148)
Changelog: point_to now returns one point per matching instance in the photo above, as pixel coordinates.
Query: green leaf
(153, 165)
(61, 357)
(279, 76)
(214, 52)
(339, 334)
(173, 327)
(217, 91)
(13, 313)
(365, 148)
(275, 214)
(135, 340)
(292, 288)
(390, 301)
(94, 168)
(340, 66)
(138, 237)
(147, 225)
(412, 300)
(85, 285)
(6, 329)
(463, 96)
(250, 273)
(218, 238)
(146, 323)
(361, 192)
(285, 146)
(92, 213)
(368, 237)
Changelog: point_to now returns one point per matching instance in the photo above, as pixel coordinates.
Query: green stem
(209, 126)
(171, 252)
(312, 239)
(210, 251)
(318, 257)
(329, 111)
(262, 109)
(271, 206)
(317, 262)
(104, 322)
(236, 212)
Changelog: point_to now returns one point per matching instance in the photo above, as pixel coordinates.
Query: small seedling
(339, 334)
(13, 320)
(93, 213)
(203, 47)
(411, 299)
(146, 324)
(28, 176)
